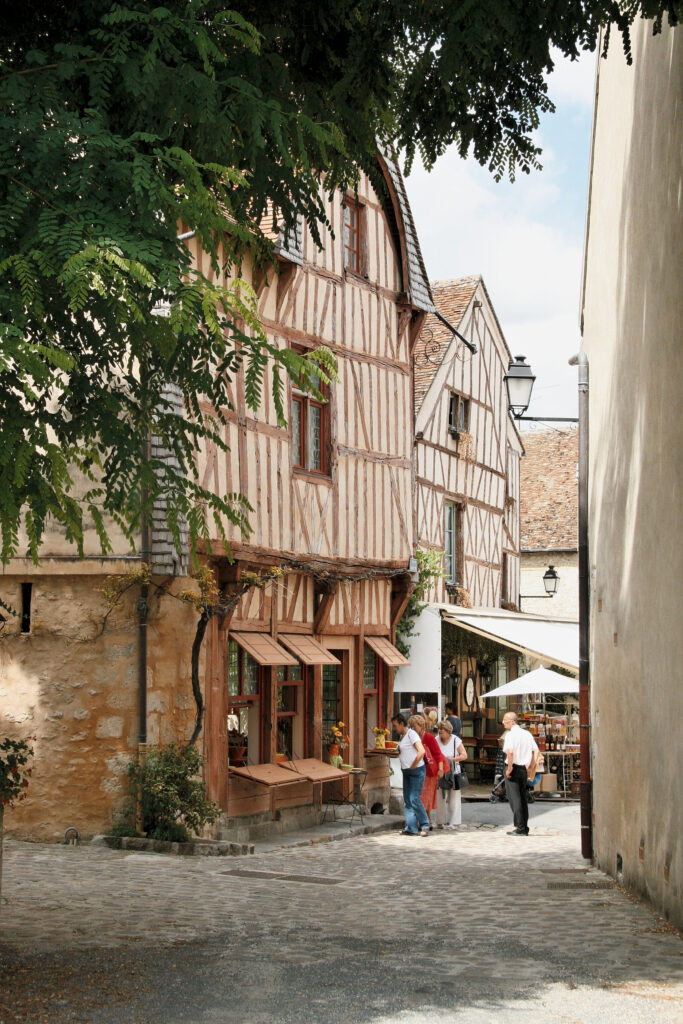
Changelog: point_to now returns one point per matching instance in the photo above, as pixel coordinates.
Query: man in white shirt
(521, 751)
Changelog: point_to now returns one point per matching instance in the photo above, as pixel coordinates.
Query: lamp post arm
(548, 419)
(444, 321)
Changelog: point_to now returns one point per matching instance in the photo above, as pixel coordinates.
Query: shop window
(310, 430)
(291, 706)
(458, 414)
(353, 221)
(244, 690)
(333, 709)
(374, 690)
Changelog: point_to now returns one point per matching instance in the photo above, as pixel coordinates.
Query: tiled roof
(451, 298)
(549, 490)
(417, 285)
(288, 243)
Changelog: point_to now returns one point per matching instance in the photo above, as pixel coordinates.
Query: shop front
(283, 673)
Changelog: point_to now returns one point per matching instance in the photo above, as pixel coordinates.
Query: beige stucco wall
(632, 336)
(565, 603)
(79, 697)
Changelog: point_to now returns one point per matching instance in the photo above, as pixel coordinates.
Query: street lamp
(519, 381)
(550, 580)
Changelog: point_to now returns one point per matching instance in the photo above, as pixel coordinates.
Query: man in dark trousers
(521, 752)
(454, 720)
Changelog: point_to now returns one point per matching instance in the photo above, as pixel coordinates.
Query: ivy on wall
(429, 569)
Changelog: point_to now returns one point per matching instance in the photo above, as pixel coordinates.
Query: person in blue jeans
(411, 756)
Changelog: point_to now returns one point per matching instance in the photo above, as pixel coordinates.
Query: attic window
(458, 414)
(352, 236)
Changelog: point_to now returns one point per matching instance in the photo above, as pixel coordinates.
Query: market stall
(550, 712)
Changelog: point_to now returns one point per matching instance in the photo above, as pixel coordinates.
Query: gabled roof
(452, 299)
(548, 504)
(417, 286)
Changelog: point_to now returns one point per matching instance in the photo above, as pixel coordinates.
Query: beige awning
(263, 649)
(389, 654)
(308, 650)
(555, 641)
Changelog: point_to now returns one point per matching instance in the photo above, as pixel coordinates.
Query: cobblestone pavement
(473, 926)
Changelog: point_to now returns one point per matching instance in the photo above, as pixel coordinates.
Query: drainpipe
(585, 785)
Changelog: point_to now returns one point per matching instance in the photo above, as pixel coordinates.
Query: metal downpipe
(585, 785)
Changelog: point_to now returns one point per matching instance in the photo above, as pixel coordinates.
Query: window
(243, 707)
(374, 703)
(290, 711)
(310, 419)
(504, 571)
(26, 593)
(452, 538)
(458, 414)
(352, 236)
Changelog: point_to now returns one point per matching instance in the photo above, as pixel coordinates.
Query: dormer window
(458, 415)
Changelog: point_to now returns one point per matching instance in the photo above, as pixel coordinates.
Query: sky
(525, 239)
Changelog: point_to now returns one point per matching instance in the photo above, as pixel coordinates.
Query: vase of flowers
(336, 740)
(381, 736)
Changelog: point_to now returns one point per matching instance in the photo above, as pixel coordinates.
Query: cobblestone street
(471, 926)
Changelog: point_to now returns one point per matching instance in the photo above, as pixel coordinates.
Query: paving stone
(341, 910)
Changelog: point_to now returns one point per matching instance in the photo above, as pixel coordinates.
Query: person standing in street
(448, 801)
(451, 716)
(521, 750)
(435, 765)
(411, 756)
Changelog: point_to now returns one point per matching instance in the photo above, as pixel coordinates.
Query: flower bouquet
(381, 734)
(336, 740)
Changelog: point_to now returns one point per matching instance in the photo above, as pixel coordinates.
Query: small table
(351, 799)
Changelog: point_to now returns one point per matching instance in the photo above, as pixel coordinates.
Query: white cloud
(469, 225)
(572, 82)
(526, 238)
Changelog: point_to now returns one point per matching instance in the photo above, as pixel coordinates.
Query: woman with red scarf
(436, 763)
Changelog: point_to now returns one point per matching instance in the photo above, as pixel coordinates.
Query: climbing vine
(429, 569)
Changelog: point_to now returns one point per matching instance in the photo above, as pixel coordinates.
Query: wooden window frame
(458, 410)
(353, 253)
(456, 553)
(241, 697)
(305, 402)
(379, 691)
(301, 701)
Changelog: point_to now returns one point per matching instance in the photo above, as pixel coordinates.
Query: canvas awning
(263, 649)
(384, 648)
(541, 680)
(308, 650)
(555, 641)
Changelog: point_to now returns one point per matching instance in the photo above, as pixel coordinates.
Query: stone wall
(565, 603)
(632, 331)
(77, 693)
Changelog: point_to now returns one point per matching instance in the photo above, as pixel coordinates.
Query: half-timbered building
(467, 449)
(332, 498)
(466, 499)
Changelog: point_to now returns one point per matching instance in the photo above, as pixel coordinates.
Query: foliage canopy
(123, 122)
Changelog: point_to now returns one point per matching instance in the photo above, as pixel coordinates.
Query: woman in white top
(448, 803)
(411, 755)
